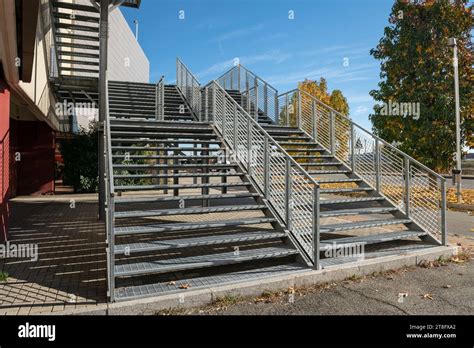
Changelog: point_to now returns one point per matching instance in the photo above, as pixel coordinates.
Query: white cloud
(238, 33)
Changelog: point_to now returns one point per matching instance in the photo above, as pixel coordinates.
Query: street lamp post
(457, 171)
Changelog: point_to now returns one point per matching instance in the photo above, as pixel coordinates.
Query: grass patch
(3, 276)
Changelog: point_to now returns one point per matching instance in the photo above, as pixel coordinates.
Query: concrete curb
(205, 296)
(461, 206)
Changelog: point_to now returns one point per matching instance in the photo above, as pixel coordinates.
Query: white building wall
(127, 61)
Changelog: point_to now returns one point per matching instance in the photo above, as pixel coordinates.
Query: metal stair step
(178, 157)
(179, 186)
(77, 37)
(172, 166)
(154, 199)
(78, 54)
(300, 143)
(78, 62)
(164, 141)
(362, 224)
(181, 243)
(333, 244)
(358, 211)
(321, 164)
(75, 17)
(336, 181)
(171, 128)
(201, 261)
(187, 211)
(351, 200)
(171, 148)
(179, 175)
(311, 156)
(165, 287)
(93, 29)
(132, 230)
(305, 150)
(176, 134)
(347, 190)
(72, 6)
(341, 171)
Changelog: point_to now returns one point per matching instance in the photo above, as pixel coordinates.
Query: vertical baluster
(298, 120)
(288, 195)
(353, 148)
(377, 165)
(277, 110)
(256, 99)
(316, 229)
(287, 106)
(444, 239)
(332, 140)
(406, 161)
(265, 99)
(249, 146)
(313, 117)
(266, 166)
(234, 111)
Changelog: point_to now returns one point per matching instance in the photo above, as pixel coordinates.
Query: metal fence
(288, 188)
(189, 86)
(257, 94)
(415, 189)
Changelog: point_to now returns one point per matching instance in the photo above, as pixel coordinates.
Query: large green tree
(417, 67)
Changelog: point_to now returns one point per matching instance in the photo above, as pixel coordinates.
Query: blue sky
(282, 51)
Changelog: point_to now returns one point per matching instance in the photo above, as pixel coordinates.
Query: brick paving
(70, 271)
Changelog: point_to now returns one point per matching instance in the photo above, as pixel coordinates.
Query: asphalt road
(442, 290)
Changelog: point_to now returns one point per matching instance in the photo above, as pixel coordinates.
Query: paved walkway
(71, 268)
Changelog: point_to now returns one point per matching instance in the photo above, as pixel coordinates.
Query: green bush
(80, 156)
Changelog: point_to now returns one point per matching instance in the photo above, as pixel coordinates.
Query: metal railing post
(213, 102)
(287, 107)
(288, 195)
(377, 165)
(206, 103)
(444, 230)
(265, 99)
(223, 115)
(316, 230)
(238, 78)
(332, 127)
(298, 121)
(277, 110)
(256, 99)
(313, 117)
(249, 146)
(234, 111)
(266, 166)
(406, 164)
(353, 148)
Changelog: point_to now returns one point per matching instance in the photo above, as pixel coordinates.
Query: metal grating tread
(180, 175)
(347, 190)
(362, 224)
(328, 171)
(167, 141)
(170, 166)
(180, 186)
(186, 211)
(130, 230)
(202, 261)
(157, 289)
(196, 242)
(346, 212)
(186, 198)
(371, 239)
(332, 181)
(351, 200)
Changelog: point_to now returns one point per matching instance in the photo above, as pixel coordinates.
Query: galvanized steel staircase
(180, 216)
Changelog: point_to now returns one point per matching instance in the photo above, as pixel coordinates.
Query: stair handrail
(377, 164)
(243, 80)
(159, 99)
(109, 196)
(291, 192)
(189, 87)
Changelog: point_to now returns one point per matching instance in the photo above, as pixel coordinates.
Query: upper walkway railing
(257, 94)
(189, 86)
